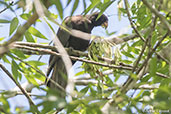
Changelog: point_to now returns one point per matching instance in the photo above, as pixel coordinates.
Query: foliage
(91, 98)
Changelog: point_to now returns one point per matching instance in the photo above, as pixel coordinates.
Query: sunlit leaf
(29, 37)
(36, 33)
(36, 63)
(25, 16)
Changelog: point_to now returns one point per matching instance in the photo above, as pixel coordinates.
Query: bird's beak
(105, 24)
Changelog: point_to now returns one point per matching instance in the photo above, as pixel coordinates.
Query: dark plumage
(79, 22)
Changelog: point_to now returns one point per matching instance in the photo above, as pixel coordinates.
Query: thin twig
(10, 4)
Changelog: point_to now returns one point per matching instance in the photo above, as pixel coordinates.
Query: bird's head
(101, 21)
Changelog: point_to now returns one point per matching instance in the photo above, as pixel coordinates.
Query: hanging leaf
(74, 6)
(59, 7)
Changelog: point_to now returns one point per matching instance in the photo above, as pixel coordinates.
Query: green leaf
(84, 90)
(4, 58)
(36, 63)
(104, 7)
(40, 77)
(36, 33)
(18, 53)
(69, 1)
(31, 79)
(25, 16)
(153, 66)
(92, 5)
(108, 81)
(80, 73)
(106, 1)
(4, 105)
(122, 10)
(29, 37)
(13, 25)
(15, 68)
(55, 16)
(71, 106)
(58, 6)
(2, 38)
(128, 54)
(49, 25)
(127, 61)
(74, 6)
(4, 21)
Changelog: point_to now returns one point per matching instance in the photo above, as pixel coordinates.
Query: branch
(71, 51)
(46, 51)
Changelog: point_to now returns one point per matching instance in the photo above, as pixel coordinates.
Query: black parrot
(83, 23)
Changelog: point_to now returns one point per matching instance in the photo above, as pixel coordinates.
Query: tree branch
(71, 51)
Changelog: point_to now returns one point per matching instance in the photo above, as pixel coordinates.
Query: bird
(85, 24)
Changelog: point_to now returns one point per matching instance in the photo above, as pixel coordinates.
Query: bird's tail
(59, 75)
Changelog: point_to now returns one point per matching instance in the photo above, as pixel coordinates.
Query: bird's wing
(55, 63)
(64, 36)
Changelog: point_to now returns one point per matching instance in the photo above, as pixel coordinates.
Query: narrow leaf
(4, 21)
(29, 37)
(13, 25)
(75, 6)
(15, 69)
(36, 33)
(59, 7)
(36, 63)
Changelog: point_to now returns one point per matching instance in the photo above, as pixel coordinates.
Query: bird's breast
(78, 43)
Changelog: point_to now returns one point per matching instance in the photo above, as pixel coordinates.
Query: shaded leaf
(4, 21)
(153, 66)
(13, 25)
(15, 72)
(59, 7)
(74, 6)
